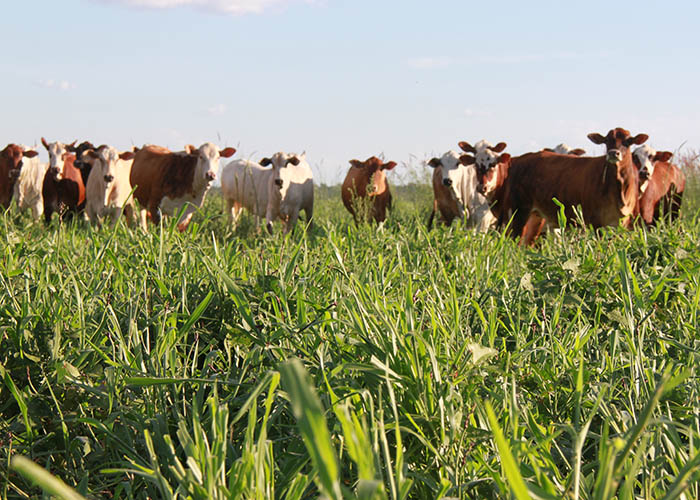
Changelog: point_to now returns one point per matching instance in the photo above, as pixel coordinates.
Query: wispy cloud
(50, 83)
(429, 62)
(233, 7)
(217, 109)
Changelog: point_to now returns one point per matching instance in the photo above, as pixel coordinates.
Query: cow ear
(466, 147)
(577, 152)
(498, 147)
(294, 160)
(638, 139)
(90, 153)
(30, 153)
(467, 160)
(127, 155)
(265, 162)
(435, 162)
(663, 156)
(504, 158)
(596, 138)
(227, 152)
(389, 165)
(46, 144)
(190, 149)
(357, 163)
(71, 146)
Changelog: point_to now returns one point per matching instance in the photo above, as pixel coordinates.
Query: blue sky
(345, 79)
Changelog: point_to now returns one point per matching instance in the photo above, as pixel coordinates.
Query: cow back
(156, 172)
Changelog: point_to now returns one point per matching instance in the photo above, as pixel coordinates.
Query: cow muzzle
(481, 189)
(278, 183)
(643, 174)
(210, 176)
(109, 178)
(614, 156)
(447, 182)
(54, 171)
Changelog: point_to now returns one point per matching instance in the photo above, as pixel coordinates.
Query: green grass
(349, 362)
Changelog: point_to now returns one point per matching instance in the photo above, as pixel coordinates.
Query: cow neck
(500, 203)
(628, 187)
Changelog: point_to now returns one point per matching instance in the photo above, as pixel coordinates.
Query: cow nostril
(211, 176)
(447, 182)
(278, 182)
(109, 178)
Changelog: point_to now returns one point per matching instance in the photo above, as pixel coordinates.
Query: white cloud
(429, 62)
(50, 83)
(234, 7)
(217, 109)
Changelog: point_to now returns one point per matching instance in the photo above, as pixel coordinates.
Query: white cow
(245, 184)
(454, 186)
(27, 190)
(565, 149)
(291, 189)
(108, 189)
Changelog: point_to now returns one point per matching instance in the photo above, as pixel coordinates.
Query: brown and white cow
(565, 149)
(455, 195)
(63, 189)
(108, 188)
(11, 161)
(290, 190)
(661, 185)
(167, 181)
(27, 192)
(366, 182)
(605, 187)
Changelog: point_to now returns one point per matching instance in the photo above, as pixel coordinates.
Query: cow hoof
(269, 227)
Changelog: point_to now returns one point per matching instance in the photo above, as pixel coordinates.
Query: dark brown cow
(605, 187)
(661, 185)
(63, 189)
(366, 180)
(10, 167)
(167, 181)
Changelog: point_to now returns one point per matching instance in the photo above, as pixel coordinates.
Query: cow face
(208, 156)
(645, 158)
(617, 143)
(452, 170)
(486, 159)
(57, 156)
(280, 162)
(372, 170)
(104, 162)
(564, 149)
(12, 156)
(80, 161)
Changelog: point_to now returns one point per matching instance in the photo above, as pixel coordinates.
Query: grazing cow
(564, 149)
(366, 183)
(63, 189)
(661, 184)
(108, 188)
(28, 186)
(605, 187)
(245, 184)
(290, 190)
(454, 187)
(11, 162)
(167, 181)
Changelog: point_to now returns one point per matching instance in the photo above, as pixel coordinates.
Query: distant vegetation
(350, 361)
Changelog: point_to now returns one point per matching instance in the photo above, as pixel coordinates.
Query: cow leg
(37, 210)
(309, 215)
(186, 218)
(291, 222)
(143, 215)
(128, 214)
(518, 225)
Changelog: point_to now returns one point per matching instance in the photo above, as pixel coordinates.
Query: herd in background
(482, 185)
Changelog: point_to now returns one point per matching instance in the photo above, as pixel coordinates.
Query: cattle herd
(482, 185)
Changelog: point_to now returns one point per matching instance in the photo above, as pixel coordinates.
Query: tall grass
(349, 361)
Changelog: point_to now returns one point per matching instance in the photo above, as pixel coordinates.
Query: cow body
(565, 149)
(108, 187)
(661, 185)
(366, 183)
(165, 181)
(28, 186)
(245, 184)
(63, 189)
(11, 163)
(291, 189)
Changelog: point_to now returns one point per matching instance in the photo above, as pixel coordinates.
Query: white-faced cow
(366, 182)
(290, 190)
(661, 184)
(455, 195)
(167, 181)
(245, 184)
(108, 188)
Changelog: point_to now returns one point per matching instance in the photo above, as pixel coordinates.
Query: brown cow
(63, 189)
(167, 181)
(605, 187)
(10, 167)
(366, 181)
(661, 185)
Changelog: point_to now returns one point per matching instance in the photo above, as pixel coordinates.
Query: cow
(27, 191)
(365, 192)
(564, 149)
(11, 162)
(165, 181)
(290, 190)
(63, 189)
(606, 187)
(661, 185)
(80, 163)
(108, 190)
(245, 184)
(454, 189)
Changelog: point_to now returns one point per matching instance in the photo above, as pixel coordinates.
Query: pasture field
(349, 362)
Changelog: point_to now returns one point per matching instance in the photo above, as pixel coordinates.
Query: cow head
(57, 157)
(453, 171)
(12, 157)
(208, 156)
(372, 170)
(282, 176)
(645, 158)
(564, 149)
(80, 162)
(104, 163)
(487, 159)
(617, 143)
